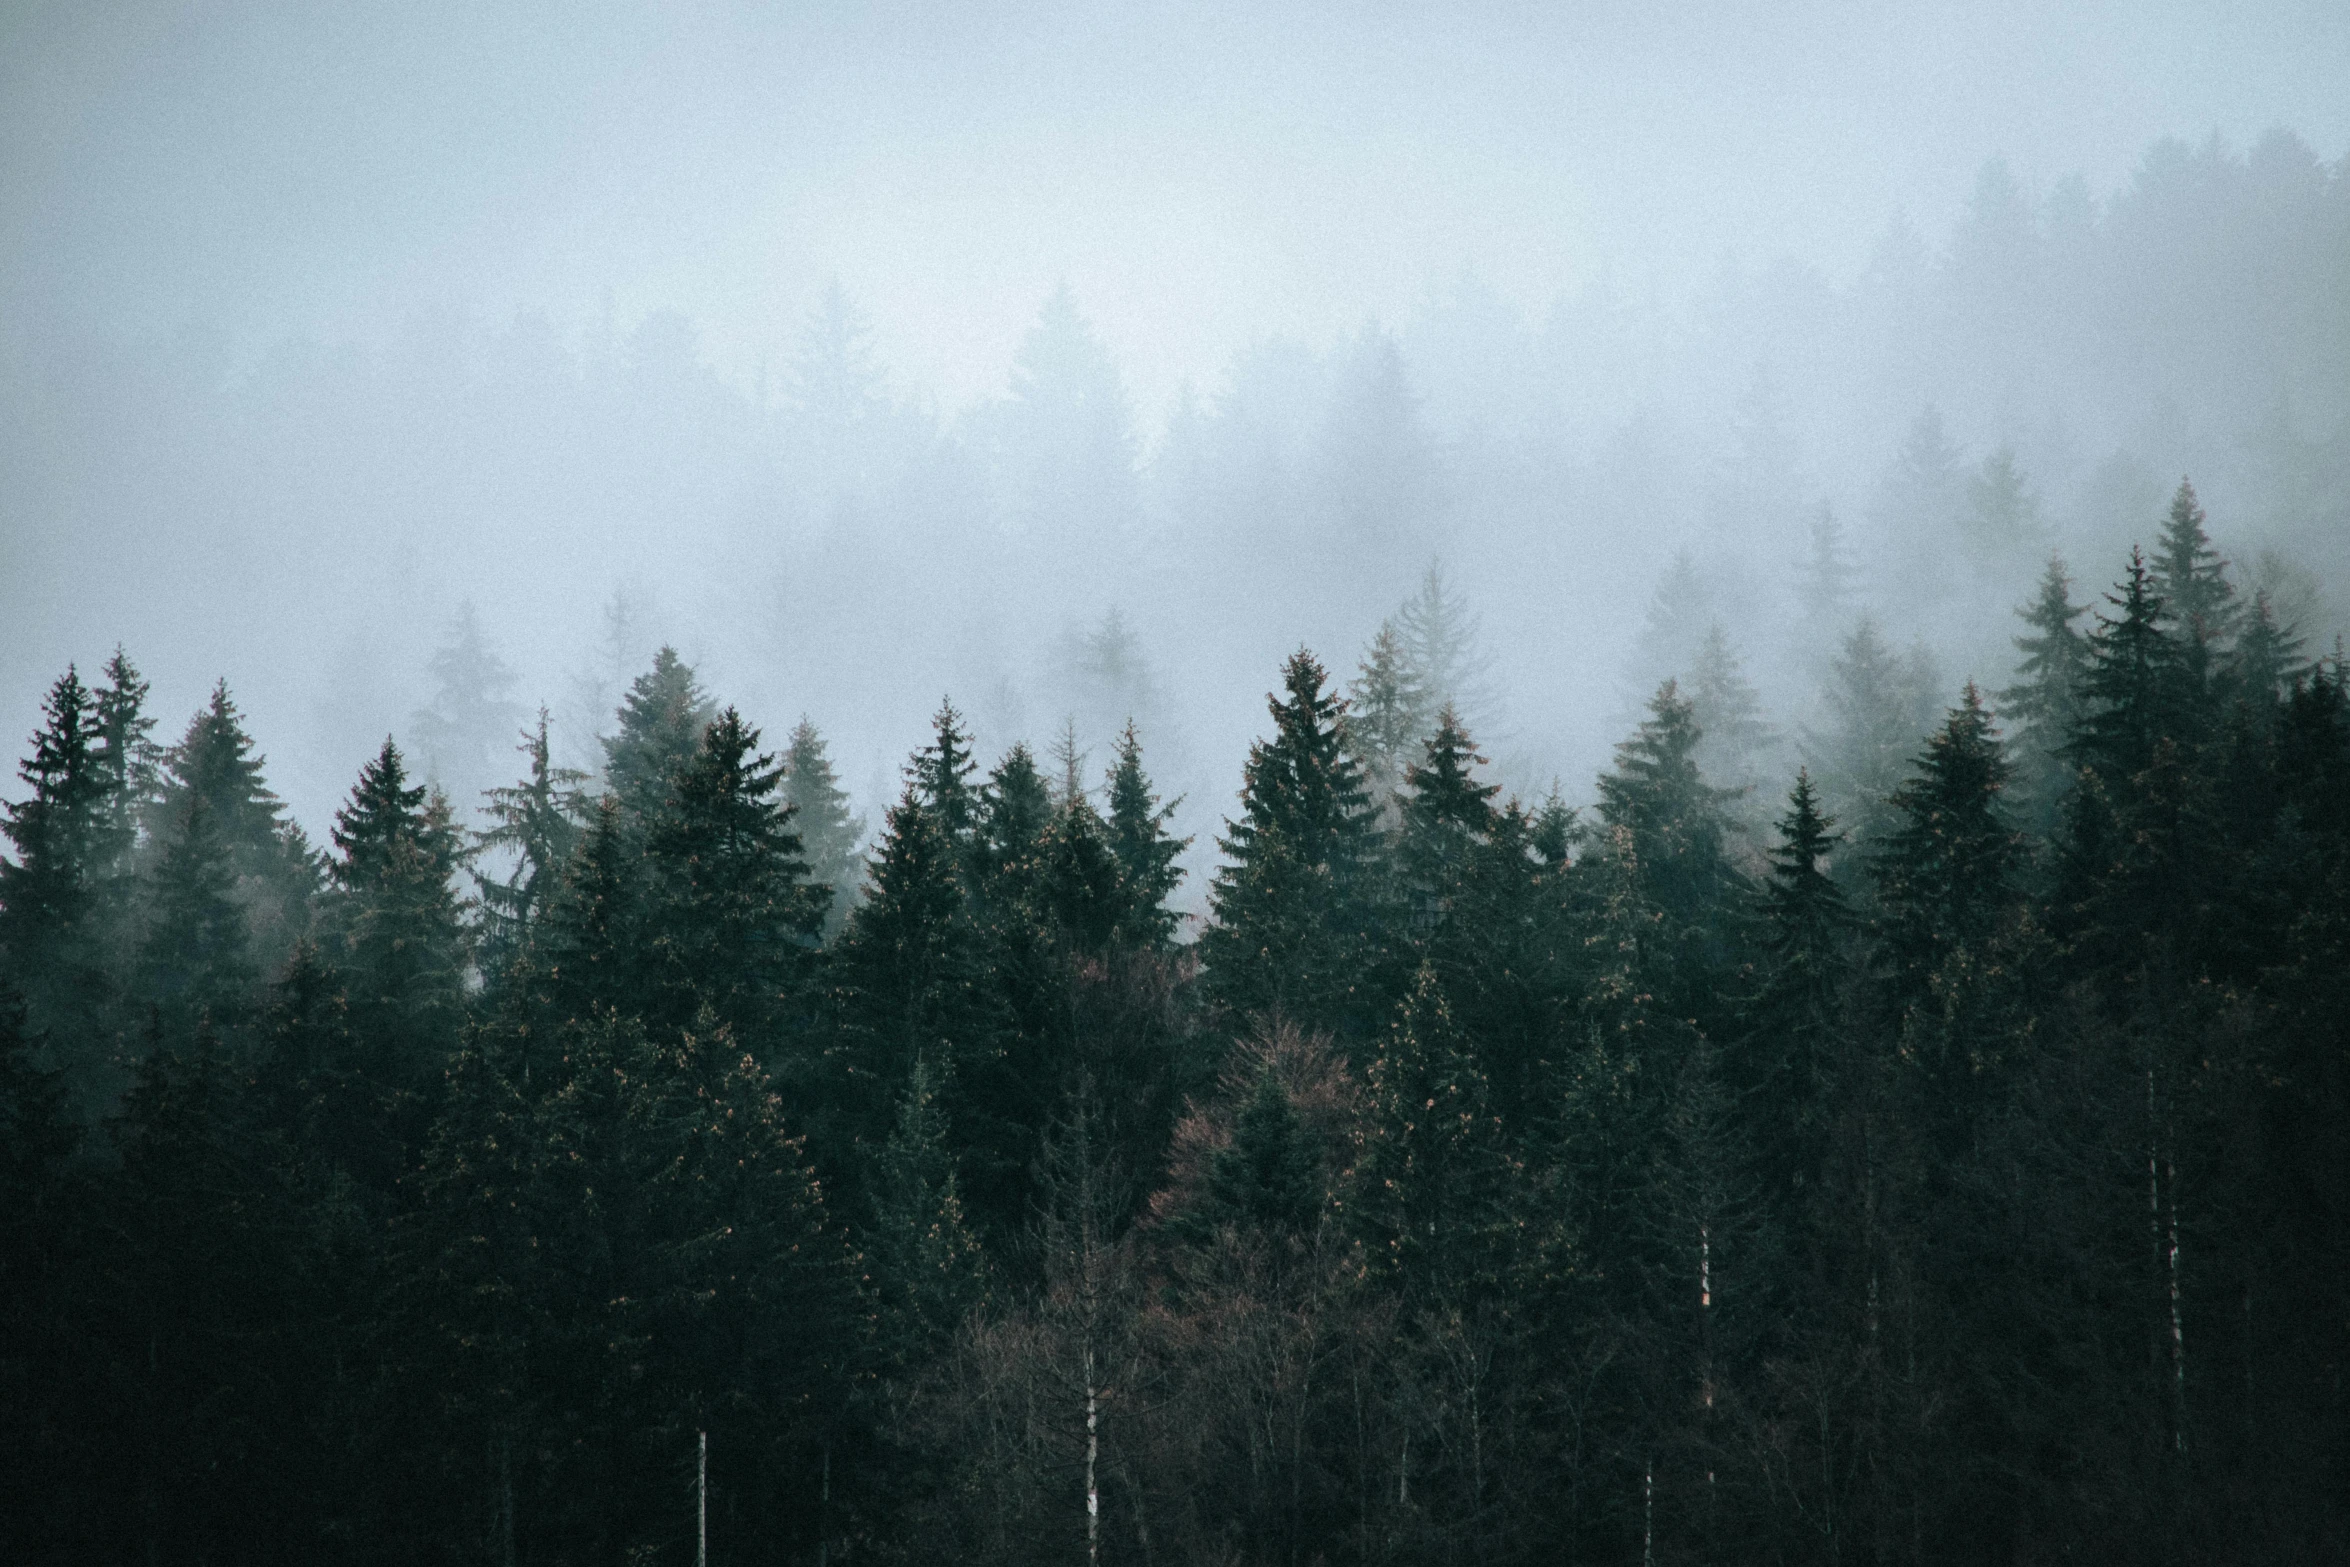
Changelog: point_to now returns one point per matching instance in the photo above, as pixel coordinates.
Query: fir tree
(458, 734)
(929, 1265)
(1947, 874)
(1444, 664)
(1824, 588)
(129, 756)
(829, 831)
(538, 822)
(592, 943)
(2003, 516)
(1736, 738)
(733, 911)
(1431, 1173)
(1146, 851)
(1267, 1178)
(1658, 795)
(47, 894)
(216, 759)
(1447, 818)
(1879, 706)
(2189, 576)
(193, 960)
(1389, 714)
(403, 942)
(2044, 704)
(1785, 1065)
(943, 771)
(1291, 903)
(661, 723)
(2131, 696)
(1015, 809)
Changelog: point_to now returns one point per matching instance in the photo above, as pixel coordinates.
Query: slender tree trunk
(1648, 1515)
(1093, 1453)
(824, 1511)
(702, 1503)
(506, 1499)
(2178, 1335)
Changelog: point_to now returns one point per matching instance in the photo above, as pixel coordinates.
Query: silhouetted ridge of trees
(1936, 1150)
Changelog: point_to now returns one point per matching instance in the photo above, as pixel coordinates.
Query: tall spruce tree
(1880, 705)
(1293, 903)
(537, 821)
(403, 944)
(1948, 874)
(2044, 704)
(733, 913)
(194, 960)
(1447, 818)
(1146, 851)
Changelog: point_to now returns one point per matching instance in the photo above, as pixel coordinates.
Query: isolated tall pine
(829, 830)
(661, 722)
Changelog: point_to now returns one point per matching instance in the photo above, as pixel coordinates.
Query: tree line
(1943, 1161)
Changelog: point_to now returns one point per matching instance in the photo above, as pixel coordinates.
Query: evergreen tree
(1146, 851)
(1879, 706)
(928, 1264)
(538, 822)
(129, 756)
(2268, 656)
(1824, 588)
(2189, 576)
(593, 944)
(1267, 1178)
(661, 723)
(2044, 704)
(1785, 1065)
(1444, 664)
(2003, 517)
(1679, 611)
(734, 912)
(277, 871)
(1082, 882)
(2131, 691)
(48, 892)
(1947, 874)
(1429, 1190)
(1389, 714)
(1015, 809)
(1673, 815)
(942, 772)
(829, 831)
(194, 961)
(1736, 739)
(1447, 818)
(459, 733)
(1292, 904)
(397, 913)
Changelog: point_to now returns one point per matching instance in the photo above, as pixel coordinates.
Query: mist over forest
(1293, 784)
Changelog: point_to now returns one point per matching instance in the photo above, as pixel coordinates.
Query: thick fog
(1080, 362)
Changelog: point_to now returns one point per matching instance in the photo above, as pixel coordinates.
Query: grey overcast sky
(1202, 174)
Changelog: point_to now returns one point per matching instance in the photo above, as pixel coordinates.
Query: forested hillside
(1941, 1153)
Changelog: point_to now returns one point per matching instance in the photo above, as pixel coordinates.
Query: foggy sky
(1201, 174)
(308, 237)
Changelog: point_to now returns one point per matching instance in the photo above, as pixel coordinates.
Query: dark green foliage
(402, 946)
(537, 821)
(1292, 906)
(732, 912)
(1949, 874)
(194, 960)
(1138, 836)
(1672, 816)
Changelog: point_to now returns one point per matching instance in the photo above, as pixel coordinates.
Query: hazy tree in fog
(537, 822)
(1440, 639)
(829, 830)
(621, 646)
(1108, 678)
(1390, 711)
(1738, 742)
(2044, 705)
(836, 395)
(1826, 585)
(1380, 473)
(1065, 442)
(1919, 500)
(1681, 610)
(463, 733)
(661, 724)
(2001, 525)
(1879, 706)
